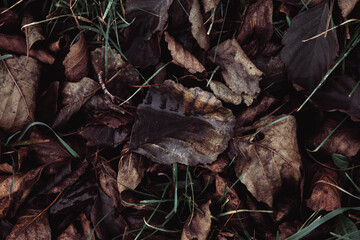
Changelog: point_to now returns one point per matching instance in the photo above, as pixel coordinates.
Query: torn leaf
(176, 124)
(239, 73)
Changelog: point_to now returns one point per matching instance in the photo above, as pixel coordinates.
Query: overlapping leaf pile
(176, 119)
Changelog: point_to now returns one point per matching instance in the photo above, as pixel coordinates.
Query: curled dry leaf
(38, 229)
(108, 184)
(200, 225)
(175, 124)
(344, 140)
(239, 73)
(62, 45)
(19, 80)
(257, 25)
(209, 4)
(76, 61)
(268, 165)
(197, 26)
(23, 184)
(224, 93)
(182, 57)
(323, 195)
(346, 6)
(131, 170)
(33, 33)
(17, 44)
(75, 94)
(320, 52)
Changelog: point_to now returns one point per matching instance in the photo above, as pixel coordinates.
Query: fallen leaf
(74, 94)
(131, 170)
(108, 184)
(197, 26)
(209, 4)
(175, 124)
(219, 165)
(199, 226)
(271, 163)
(70, 233)
(307, 62)
(76, 61)
(9, 21)
(182, 57)
(111, 226)
(231, 197)
(17, 44)
(33, 33)
(222, 92)
(324, 196)
(239, 73)
(62, 45)
(344, 140)
(257, 26)
(107, 130)
(39, 229)
(18, 86)
(346, 6)
(23, 184)
(334, 96)
(142, 36)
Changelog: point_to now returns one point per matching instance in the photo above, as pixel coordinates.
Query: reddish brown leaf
(70, 233)
(219, 165)
(17, 44)
(231, 197)
(76, 61)
(39, 229)
(270, 163)
(9, 21)
(257, 25)
(323, 195)
(62, 45)
(175, 124)
(19, 80)
(320, 52)
(199, 227)
(23, 184)
(239, 73)
(183, 57)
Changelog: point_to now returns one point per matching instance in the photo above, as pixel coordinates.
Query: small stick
(103, 87)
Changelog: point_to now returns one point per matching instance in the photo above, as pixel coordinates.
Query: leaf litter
(181, 119)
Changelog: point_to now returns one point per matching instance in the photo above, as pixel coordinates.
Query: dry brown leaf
(344, 140)
(75, 94)
(197, 26)
(182, 57)
(33, 33)
(209, 4)
(257, 24)
(324, 196)
(76, 61)
(39, 229)
(269, 164)
(17, 44)
(222, 92)
(70, 233)
(9, 21)
(232, 198)
(19, 80)
(346, 6)
(108, 184)
(176, 124)
(23, 183)
(219, 165)
(199, 227)
(62, 45)
(239, 73)
(131, 170)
